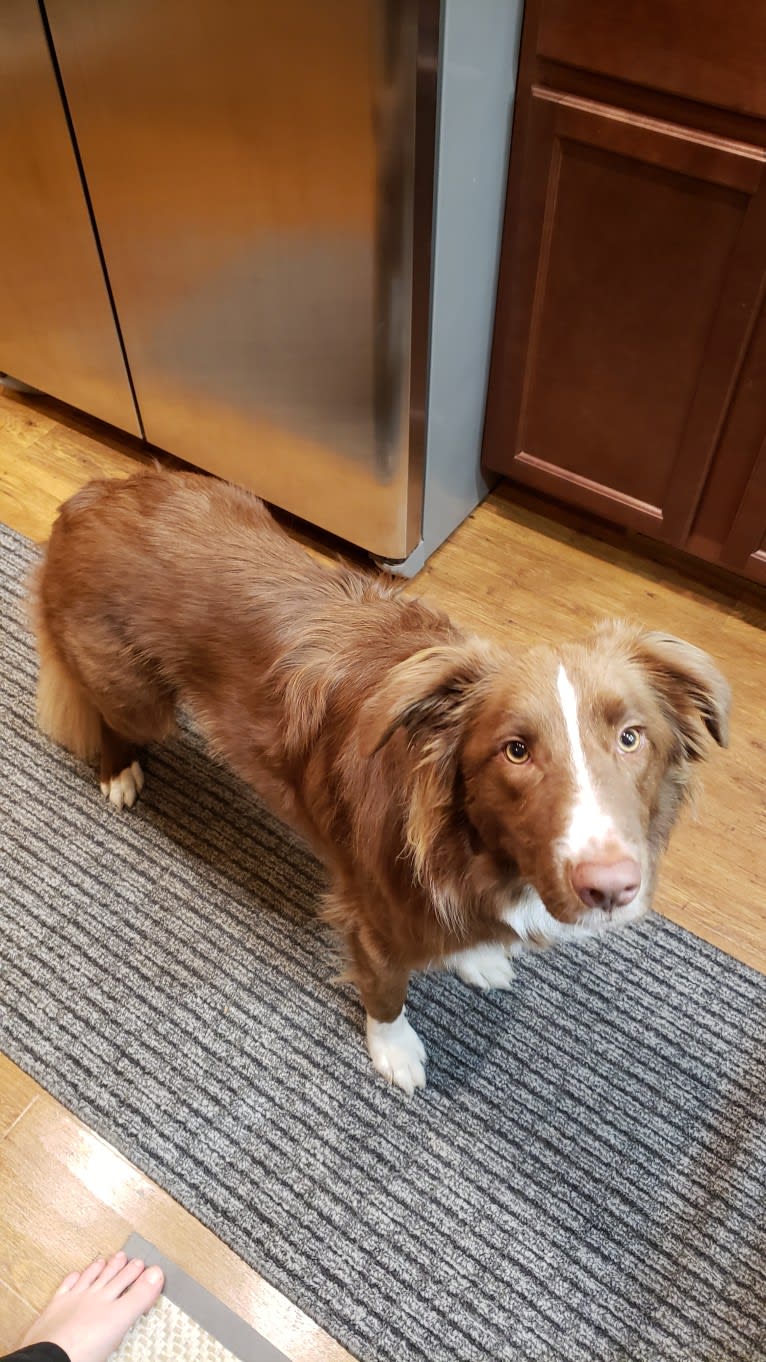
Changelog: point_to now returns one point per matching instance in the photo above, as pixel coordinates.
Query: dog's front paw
(397, 1052)
(483, 967)
(123, 789)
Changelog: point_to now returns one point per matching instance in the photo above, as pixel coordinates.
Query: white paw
(123, 790)
(397, 1052)
(483, 967)
(517, 948)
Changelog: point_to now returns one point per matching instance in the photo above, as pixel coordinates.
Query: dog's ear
(426, 695)
(693, 693)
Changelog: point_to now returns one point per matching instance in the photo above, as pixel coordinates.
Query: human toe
(88, 1276)
(68, 1283)
(128, 1273)
(141, 1294)
(112, 1268)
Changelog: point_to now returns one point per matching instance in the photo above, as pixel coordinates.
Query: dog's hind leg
(121, 775)
(96, 695)
(124, 730)
(66, 712)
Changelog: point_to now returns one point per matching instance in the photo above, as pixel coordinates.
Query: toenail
(154, 1276)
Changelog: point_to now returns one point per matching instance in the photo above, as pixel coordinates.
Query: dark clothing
(37, 1352)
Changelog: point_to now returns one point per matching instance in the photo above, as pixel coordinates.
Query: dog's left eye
(630, 739)
(517, 751)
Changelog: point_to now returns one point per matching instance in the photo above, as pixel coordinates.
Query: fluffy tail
(64, 711)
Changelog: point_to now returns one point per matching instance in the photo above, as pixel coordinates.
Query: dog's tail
(65, 712)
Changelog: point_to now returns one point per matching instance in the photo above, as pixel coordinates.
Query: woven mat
(583, 1178)
(187, 1323)
(168, 1334)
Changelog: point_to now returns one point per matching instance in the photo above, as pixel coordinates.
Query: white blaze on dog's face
(575, 764)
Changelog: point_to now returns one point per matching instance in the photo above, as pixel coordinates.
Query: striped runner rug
(583, 1178)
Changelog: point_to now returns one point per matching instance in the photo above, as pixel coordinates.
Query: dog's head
(566, 764)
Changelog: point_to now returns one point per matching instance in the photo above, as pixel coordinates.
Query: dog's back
(125, 560)
(178, 588)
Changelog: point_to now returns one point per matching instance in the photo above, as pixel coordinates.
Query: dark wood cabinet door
(704, 50)
(731, 517)
(745, 547)
(632, 263)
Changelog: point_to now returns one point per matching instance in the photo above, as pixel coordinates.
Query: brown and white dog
(468, 800)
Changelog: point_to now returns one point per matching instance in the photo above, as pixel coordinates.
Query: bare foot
(92, 1311)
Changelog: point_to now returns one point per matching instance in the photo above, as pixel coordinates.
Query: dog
(468, 800)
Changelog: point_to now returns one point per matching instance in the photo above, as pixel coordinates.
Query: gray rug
(583, 1178)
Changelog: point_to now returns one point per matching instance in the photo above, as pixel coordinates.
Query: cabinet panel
(733, 476)
(57, 329)
(745, 547)
(705, 51)
(621, 312)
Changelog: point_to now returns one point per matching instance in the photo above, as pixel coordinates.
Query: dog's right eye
(630, 739)
(517, 751)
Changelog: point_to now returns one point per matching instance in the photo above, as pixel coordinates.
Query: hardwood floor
(65, 1195)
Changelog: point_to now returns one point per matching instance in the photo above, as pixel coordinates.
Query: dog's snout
(606, 884)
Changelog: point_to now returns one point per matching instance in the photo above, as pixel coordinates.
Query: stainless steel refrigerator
(294, 209)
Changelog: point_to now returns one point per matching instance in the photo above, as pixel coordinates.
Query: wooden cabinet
(629, 362)
(745, 546)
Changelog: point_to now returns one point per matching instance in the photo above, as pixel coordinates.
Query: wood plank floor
(65, 1195)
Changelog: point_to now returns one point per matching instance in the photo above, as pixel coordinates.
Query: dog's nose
(607, 884)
